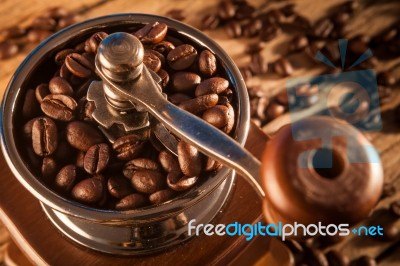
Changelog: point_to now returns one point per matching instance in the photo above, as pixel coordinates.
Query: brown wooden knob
(299, 191)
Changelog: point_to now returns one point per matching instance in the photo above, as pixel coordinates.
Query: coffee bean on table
(66, 178)
(13, 32)
(59, 107)
(258, 65)
(177, 181)
(128, 147)
(96, 158)
(199, 104)
(391, 231)
(8, 49)
(283, 67)
(255, 48)
(262, 107)
(252, 28)
(185, 81)
(130, 202)
(152, 33)
(298, 43)
(210, 22)
(162, 196)
(119, 187)
(44, 136)
(226, 10)
(93, 42)
(59, 85)
(139, 164)
(89, 190)
(207, 63)
(211, 85)
(37, 35)
(82, 136)
(302, 22)
(233, 29)
(183, 56)
(147, 181)
(190, 159)
(79, 65)
(177, 14)
(164, 78)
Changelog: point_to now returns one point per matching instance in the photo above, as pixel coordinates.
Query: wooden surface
(369, 21)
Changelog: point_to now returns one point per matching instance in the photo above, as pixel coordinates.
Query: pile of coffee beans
(67, 151)
(13, 39)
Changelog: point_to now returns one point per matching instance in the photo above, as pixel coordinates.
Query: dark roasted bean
(93, 42)
(210, 22)
(168, 161)
(64, 153)
(130, 202)
(27, 129)
(246, 73)
(151, 60)
(44, 23)
(288, 10)
(255, 48)
(199, 104)
(244, 11)
(185, 81)
(59, 85)
(8, 49)
(164, 77)
(67, 21)
(139, 164)
(182, 57)
(262, 107)
(269, 33)
(152, 33)
(119, 187)
(302, 22)
(163, 47)
(41, 91)
(58, 106)
(178, 14)
(147, 181)
(298, 43)
(66, 178)
(207, 63)
(128, 147)
(283, 67)
(49, 168)
(90, 190)
(233, 29)
(336, 258)
(13, 32)
(190, 159)
(44, 136)
(179, 182)
(226, 10)
(341, 18)
(56, 12)
(96, 158)
(211, 85)
(37, 35)
(323, 28)
(82, 136)
(162, 196)
(217, 116)
(79, 65)
(258, 65)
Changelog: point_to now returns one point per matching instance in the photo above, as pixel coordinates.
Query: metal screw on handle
(119, 63)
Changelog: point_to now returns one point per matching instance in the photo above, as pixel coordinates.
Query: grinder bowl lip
(73, 208)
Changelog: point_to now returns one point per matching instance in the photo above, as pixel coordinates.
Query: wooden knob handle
(297, 190)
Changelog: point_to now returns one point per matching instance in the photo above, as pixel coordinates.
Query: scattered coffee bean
(255, 48)
(8, 49)
(147, 181)
(210, 22)
(323, 28)
(177, 14)
(298, 44)
(395, 208)
(274, 110)
(226, 10)
(233, 29)
(388, 190)
(44, 23)
(13, 32)
(269, 33)
(93, 42)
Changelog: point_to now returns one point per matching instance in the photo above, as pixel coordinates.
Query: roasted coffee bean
(119, 187)
(179, 182)
(82, 136)
(177, 14)
(258, 65)
(336, 258)
(244, 11)
(255, 48)
(30, 107)
(210, 22)
(178, 98)
(37, 35)
(44, 136)
(323, 28)
(395, 208)
(151, 61)
(212, 85)
(89, 190)
(96, 158)
(13, 32)
(152, 33)
(269, 33)
(298, 44)
(59, 85)
(49, 168)
(262, 107)
(190, 159)
(64, 72)
(288, 10)
(148, 181)
(252, 28)
(162, 196)
(130, 202)
(183, 56)
(41, 91)
(212, 165)
(8, 49)
(85, 110)
(199, 104)
(217, 116)
(302, 22)
(283, 67)
(164, 78)
(163, 47)
(79, 65)
(139, 164)
(66, 178)
(207, 63)
(128, 147)
(61, 55)
(56, 12)
(168, 161)
(226, 10)
(93, 42)
(185, 81)
(59, 107)
(67, 21)
(364, 261)
(274, 110)
(44, 23)
(386, 78)
(233, 29)
(350, 6)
